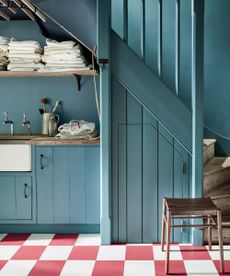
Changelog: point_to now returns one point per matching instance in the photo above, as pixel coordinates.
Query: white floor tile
(78, 268)
(215, 253)
(88, 239)
(200, 268)
(139, 268)
(115, 252)
(39, 239)
(175, 253)
(7, 252)
(56, 253)
(19, 268)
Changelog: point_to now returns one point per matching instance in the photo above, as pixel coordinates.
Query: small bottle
(52, 125)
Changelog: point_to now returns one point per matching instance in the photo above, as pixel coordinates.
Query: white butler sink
(15, 156)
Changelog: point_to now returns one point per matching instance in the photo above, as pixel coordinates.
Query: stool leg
(209, 235)
(168, 242)
(163, 227)
(220, 236)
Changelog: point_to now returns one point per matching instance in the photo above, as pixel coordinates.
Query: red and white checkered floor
(60, 254)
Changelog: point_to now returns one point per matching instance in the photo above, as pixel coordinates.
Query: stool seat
(191, 206)
(174, 208)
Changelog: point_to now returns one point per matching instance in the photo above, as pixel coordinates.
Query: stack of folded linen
(63, 56)
(4, 52)
(24, 55)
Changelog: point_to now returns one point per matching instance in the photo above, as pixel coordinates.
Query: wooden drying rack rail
(77, 74)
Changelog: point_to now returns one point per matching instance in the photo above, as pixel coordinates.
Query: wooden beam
(27, 12)
(34, 9)
(5, 4)
(5, 16)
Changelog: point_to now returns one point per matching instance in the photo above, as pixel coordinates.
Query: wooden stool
(174, 208)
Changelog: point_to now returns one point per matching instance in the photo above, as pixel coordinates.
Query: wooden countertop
(54, 141)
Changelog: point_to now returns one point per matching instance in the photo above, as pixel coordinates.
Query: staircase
(217, 185)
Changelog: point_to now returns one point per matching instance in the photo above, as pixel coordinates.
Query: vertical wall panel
(151, 34)
(118, 17)
(185, 52)
(135, 8)
(134, 170)
(118, 161)
(150, 183)
(165, 163)
(169, 43)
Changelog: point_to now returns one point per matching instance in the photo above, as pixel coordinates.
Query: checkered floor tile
(82, 255)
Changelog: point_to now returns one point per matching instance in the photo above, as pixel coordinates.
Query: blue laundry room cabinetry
(16, 198)
(67, 179)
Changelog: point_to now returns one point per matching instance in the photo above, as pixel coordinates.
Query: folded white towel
(22, 69)
(51, 49)
(58, 69)
(28, 43)
(63, 57)
(24, 60)
(64, 44)
(25, 65)
(26, 50)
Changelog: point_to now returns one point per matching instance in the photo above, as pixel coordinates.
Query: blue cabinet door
(44, 177)
(15, 199)
(67, 184)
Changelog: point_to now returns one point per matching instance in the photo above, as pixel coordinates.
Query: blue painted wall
(18, 95)
(217, 68)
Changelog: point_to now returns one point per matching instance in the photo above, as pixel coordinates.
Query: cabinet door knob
(41, 165)
(26, 190)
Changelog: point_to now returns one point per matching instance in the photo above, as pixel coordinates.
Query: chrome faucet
(26, 122)
(7, 121)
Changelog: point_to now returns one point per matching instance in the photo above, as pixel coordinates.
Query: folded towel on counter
(77, 130)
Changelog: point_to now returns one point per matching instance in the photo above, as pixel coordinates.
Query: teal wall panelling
(169, 57)
(146, 166)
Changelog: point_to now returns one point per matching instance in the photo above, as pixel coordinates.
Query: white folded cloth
(22, 69)
(55, 50)
(25, 50)
(75, 127)
(27, 43)
(62, 69)
(63, 44)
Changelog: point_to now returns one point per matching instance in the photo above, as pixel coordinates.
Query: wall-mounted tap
(26, 122)
(7, 121)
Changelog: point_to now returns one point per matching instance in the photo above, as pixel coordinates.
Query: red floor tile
(2, 263)
(29, 253)
(194, 253)
(14, 239)
(139, 253)
(226, 267)
(175, 268)
(49, 268)
(64, 239)
(84, 253)
(108, 268)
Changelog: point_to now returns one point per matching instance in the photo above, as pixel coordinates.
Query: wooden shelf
(53, 141)
(48, 74)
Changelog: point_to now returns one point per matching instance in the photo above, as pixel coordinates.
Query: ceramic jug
(45, 122)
